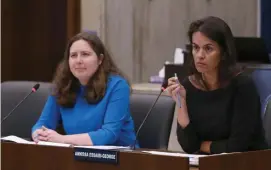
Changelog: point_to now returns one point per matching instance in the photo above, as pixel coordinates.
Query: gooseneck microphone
(33, 90)
(163, 88)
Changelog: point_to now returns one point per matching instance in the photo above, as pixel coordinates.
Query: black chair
(20, 122)
(267, 121)
(156, 130)
(262, 80)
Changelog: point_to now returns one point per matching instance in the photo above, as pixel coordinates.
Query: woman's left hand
(53, 136)
(206, 146)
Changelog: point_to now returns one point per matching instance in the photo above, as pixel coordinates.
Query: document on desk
(193, 159)
(23, 141)
(54, 144)
(16, 140)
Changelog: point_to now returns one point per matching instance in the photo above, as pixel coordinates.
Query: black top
(230, 117)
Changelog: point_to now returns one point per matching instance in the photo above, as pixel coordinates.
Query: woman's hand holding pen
(175, 89)
(45, 134)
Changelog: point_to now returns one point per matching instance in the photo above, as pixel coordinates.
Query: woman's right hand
(174, 88)
(39, 135)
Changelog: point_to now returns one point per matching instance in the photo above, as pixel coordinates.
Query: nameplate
(96, 155)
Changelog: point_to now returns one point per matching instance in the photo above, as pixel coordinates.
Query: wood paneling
(241, 15)
(165, 26)
(143, 34)
(119, 33)
(34, 36)
(73, 17)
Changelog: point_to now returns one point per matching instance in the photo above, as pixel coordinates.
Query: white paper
(23, 141)
(17, 140)
(178, 56)
(53, 144)
(193, 159)
(103, 147)
(162, 72)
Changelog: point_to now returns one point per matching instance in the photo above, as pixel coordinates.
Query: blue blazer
(107, 123)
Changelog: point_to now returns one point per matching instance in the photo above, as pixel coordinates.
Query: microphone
(163, 88)
(33, 90)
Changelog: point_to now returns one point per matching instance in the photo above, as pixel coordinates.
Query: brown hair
(217, 30)
(66, 85)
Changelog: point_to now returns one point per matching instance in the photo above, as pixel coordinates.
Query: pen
(178, 94)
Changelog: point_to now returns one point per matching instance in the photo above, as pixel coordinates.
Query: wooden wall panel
(119, 33)
(164, 31)
(34, 37)
(143, 34)
(241, 15)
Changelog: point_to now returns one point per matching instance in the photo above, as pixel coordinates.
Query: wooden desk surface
(146, 87)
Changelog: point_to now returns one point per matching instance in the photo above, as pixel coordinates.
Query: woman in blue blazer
(90, 96)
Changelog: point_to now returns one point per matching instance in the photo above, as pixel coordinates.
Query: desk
(26, 157)
(147, 88)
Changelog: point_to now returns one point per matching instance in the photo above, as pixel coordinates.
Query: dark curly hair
(66, 85)
(217, 30)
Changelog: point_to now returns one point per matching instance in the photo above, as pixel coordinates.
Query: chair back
(156, 130)
(267, 121)
(20, 122)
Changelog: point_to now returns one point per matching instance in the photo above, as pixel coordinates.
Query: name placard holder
(96, 155)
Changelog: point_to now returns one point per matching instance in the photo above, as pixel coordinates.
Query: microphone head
(35, 87)
(164, 86)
